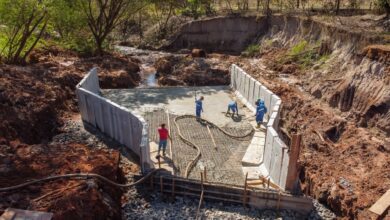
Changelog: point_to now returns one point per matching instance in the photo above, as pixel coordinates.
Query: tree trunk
(99, 45)
(337, 6)
(266, 8)
(297, 3)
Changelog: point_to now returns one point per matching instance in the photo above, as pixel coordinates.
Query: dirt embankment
(34, 102)
(177, 70)
(335, 92)
(33, 98)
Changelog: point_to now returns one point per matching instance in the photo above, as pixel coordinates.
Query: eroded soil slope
(335, 88)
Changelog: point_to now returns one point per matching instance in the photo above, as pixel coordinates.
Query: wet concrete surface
(177, 100)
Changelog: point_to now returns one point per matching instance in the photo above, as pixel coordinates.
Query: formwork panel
(277, 160)
(284, 168)
(269, 141)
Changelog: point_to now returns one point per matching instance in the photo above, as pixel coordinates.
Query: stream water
(147, 58)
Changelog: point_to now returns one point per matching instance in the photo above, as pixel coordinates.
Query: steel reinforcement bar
(192, 163)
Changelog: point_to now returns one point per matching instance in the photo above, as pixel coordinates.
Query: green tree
(103, 16)
(23, 24)
(68, 21)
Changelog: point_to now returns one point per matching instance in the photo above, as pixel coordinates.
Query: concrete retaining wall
(248, 90)
(112, 119)
(228, 34)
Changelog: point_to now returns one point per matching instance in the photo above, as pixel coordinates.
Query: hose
(192, 163)
(78, 175)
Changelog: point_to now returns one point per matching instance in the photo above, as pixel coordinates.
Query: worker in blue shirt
(232, 106)
(260, 112)
(199, 106)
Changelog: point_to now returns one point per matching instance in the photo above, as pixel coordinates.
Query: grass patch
(305, 54)
(298, 48)
(252, 50)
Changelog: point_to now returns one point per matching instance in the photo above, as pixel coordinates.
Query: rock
(116, 79)
(198, 53)
(164, 65)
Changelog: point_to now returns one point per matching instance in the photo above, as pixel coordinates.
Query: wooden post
(292, 171)
(245, 188)
(278, 205)
(204, 174)
(159, 163)
(161, 184)
(201, 196)
(201, 179)
(268, 182)
(173, 187)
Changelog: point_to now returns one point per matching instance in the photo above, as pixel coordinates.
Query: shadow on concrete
(135, 98)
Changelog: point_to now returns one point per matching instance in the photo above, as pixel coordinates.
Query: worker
(164, 135)
(232, 106)
(198, 106)
(260, 112)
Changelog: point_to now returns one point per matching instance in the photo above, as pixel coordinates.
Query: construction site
(80, 136)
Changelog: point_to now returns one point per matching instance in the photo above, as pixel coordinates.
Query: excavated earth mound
(185, 70)
(35, 100)
(67, 199)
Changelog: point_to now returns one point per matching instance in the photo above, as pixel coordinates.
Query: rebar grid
(222, 164)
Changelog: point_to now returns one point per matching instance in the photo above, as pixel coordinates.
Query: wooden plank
(382, 204)
(236, 190)
(269, 183)
(255, 198)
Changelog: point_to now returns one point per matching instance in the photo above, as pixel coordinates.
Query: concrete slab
(178, 100)
(254, 153)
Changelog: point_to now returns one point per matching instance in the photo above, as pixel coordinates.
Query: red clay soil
(67, 199)
(349, 169)
(33, 97)
(34, 100)
(378, 52)
(344, 166)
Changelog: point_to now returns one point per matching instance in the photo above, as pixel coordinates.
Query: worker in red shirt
(164, 135)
